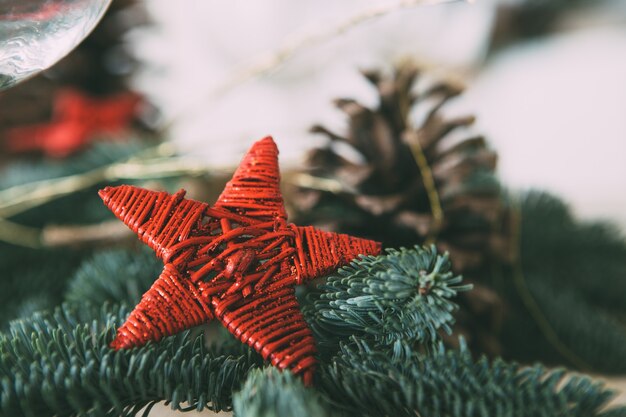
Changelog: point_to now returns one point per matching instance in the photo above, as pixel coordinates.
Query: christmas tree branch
(401, 298)
(452, 383)
(529, 301)
(566, 285)
(55, 364)
(60, 363)
(269, 393)
(114, 276)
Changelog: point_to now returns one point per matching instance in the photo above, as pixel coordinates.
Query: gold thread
(529, 301)
(267, 63)
(20, 235)
(425, 171)
(431, 189)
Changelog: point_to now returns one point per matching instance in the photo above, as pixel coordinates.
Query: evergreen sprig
(399, 298)
(452, 384)
(33, 280)
(271, 393)
(116, 276)
(575, 272)
(60, 364)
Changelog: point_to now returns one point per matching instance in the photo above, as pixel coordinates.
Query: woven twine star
(237, 261)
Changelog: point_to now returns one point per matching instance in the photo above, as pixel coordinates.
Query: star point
(237, 261)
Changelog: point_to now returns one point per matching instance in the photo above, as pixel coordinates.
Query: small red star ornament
(237, 261)
(77, 119)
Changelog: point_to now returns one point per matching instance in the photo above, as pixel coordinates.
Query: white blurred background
(553, 107)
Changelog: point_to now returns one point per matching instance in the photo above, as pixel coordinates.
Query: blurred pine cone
(403, 182)
(369, 181)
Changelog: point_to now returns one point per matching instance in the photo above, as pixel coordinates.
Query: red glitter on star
(237, 261)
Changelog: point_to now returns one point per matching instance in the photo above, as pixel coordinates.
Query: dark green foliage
(37, 278)
(452, 384)
(60, 364)
(32, 279)
(399, 298)
(576, 273)
(271, 393)
(120, 276)
(79, 207)
(98, 155)
(588, 256)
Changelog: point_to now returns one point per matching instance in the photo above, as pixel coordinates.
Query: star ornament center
(237, 261)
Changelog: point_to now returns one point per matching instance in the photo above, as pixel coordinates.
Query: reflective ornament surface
(34, 34)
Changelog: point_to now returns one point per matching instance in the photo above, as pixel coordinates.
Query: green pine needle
(403, 296)
(60, 364)
(116, 276)
(576, 275)
(452, 384)
(271, 393)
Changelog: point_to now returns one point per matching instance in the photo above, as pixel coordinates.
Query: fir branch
(60, 364)
(571, 281)
(398, 298)
(577, 250)
(33, 280)
(452, 384)
(116, 276)
(271, 393)
(591, 331)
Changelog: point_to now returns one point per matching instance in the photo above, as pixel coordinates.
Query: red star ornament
(77, 119)
(237, 261)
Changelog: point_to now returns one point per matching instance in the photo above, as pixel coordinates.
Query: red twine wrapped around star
(76, 119)
(237, 261)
